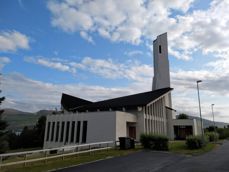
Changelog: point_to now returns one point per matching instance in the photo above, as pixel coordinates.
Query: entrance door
(132, 132)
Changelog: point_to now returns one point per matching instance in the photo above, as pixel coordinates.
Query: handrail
(51, 157)
(50, 149)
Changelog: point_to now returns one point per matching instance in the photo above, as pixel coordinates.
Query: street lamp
(213, 118)
(202, 130)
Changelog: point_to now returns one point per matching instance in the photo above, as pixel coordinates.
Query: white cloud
(4, 61)
(87, 37)
(107, 68)
(54, 64)
(30, 95)
(134, 53)
(117, 20)
(12, 41)
(214, 74)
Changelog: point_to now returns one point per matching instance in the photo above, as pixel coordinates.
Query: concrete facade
(101, 126)
(106, 125)
(161, 77)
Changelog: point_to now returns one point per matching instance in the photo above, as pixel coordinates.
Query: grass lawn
(41, 166)
(180, 147)
(68, 161)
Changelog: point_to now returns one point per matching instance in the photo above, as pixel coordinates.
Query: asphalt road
(150, 161)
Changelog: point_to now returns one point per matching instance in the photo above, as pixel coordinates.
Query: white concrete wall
(100, 127)
(121, 123)
(198, 126)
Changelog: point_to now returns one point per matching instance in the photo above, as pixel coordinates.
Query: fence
(46, 154)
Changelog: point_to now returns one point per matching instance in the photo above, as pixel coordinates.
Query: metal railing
(46, 154)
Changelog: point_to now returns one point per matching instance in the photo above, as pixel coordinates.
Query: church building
(83, 121)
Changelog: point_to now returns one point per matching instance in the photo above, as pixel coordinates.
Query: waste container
(132, 143)
(125, 143)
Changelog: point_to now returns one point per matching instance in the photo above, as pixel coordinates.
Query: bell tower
(161, 77)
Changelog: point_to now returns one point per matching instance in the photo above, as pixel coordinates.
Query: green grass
(41, 166)
(68, 161)
(180, 147)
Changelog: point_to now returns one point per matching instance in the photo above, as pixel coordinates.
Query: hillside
(18, 119)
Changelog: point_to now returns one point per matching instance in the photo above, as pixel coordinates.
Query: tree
(182, 116)
(40, 131)
(3, 132)
(30, 137)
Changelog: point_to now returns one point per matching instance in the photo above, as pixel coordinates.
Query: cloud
(214, 74)
(30, 95)
(111, 70)
(106, 68)
(134, 53)
(87, 37)
(117, 20)
(4, 61)
(54, 64)
(12, 41)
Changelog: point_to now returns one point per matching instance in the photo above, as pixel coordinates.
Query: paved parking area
(151, 161)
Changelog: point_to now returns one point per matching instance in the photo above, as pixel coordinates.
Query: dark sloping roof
(126, 101)
(69, 102)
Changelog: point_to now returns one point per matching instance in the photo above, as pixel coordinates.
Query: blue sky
(98, 50)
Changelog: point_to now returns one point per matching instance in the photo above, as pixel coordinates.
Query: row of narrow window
(155, 109)
(156, 127)
(68, 129)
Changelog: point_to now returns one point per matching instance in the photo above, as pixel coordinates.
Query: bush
(223, 133)
(196, 142)
(213, 136)
(154, 142)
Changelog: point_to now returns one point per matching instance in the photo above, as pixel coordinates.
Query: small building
(84, 121)
(185, 127)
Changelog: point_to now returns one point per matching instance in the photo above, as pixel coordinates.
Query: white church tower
(161, 77)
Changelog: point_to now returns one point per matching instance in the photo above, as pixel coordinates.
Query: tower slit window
(160, 49)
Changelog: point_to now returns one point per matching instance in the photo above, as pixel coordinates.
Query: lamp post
(202, 131)
(213, 118)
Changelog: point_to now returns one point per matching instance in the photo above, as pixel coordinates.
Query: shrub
(223, 133)
(196, 142)
(154, 142)
(213, 136)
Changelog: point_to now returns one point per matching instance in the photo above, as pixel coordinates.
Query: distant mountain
(14, 111)
(44, 112)
(17, 120)
(208, 123)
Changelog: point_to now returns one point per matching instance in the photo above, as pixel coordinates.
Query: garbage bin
(132, 143)
(125, 142)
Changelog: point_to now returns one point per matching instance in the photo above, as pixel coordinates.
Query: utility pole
(213, 117)
(202, 130)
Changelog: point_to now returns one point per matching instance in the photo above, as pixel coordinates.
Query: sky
(96, 50)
